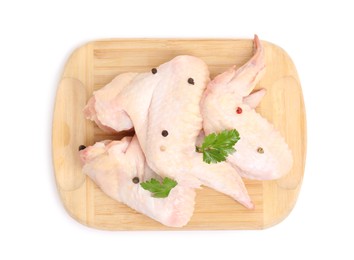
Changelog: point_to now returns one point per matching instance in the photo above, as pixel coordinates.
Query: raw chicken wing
(261, 153)
(118, 168)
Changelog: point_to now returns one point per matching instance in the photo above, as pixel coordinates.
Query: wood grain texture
(95, 64)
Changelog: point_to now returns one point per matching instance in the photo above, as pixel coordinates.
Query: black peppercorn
(82, 147)
(164, 133)
(154, 71)
(191, 81)
(136, 180)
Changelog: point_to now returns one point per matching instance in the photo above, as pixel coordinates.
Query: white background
(36, 40)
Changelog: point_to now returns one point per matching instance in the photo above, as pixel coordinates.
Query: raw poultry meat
(101, 107)
(118, 167)
(261, 153)
(164, 107)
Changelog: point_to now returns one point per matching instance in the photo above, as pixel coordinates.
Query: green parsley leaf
(159, 190)
(216, 147)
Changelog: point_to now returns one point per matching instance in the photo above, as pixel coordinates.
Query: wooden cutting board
(95, 64)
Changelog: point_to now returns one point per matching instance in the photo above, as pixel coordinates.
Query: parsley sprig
(159, 190)
(216, 147)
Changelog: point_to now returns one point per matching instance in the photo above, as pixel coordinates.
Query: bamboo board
(95, 64)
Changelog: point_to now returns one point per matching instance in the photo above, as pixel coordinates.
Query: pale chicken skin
(101, 108)
(164, 107)
(261, 153)
(118, 168)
